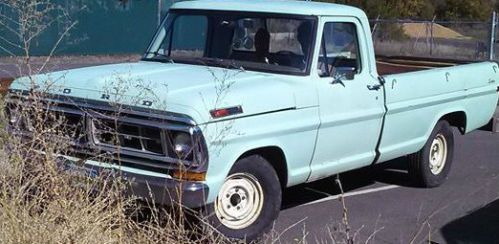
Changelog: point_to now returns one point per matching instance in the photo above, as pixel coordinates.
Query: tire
(430, 166)
(236, 213)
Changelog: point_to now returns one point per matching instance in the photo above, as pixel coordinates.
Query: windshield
(253, 41)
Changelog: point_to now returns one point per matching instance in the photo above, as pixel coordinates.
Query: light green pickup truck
(246, 98)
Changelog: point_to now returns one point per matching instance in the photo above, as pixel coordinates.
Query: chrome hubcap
(240, 201)
(438, 154)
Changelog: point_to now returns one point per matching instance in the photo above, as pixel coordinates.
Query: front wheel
(249, 200)
(430, 166)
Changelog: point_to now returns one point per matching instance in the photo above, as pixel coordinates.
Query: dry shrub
(42, 203)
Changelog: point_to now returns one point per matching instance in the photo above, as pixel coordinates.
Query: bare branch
(56, 45)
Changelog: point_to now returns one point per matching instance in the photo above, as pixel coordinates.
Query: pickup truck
(246, 98)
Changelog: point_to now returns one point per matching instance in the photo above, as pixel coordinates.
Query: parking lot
(383, 206)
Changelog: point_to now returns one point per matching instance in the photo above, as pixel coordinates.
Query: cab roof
(272, 6)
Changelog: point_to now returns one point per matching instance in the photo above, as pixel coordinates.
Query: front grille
(136, 138)
(75, 126)
(126, 135)
(68, 126)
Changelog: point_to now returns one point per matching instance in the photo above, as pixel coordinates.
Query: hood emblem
(147, 103)
(105, 96)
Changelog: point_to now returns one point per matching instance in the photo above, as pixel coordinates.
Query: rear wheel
(249, 200)
(431, 166)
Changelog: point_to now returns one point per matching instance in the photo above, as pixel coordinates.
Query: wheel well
(457, 119)
(275, 156)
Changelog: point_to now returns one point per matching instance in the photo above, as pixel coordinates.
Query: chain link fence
(453, 40)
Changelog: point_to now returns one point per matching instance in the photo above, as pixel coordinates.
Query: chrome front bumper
(146, 186)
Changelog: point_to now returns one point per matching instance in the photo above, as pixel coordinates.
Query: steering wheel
(285, 52)
(290, 60)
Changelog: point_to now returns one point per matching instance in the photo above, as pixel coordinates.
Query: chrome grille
(137, 137)
(67, 125)
(127, 135)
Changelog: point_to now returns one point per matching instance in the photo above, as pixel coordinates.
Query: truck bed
(398, 65)
(416, 100)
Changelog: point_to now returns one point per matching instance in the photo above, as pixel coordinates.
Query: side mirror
(340, 74)
(346, 73)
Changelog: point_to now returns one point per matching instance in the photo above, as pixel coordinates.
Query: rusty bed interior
(398, 65)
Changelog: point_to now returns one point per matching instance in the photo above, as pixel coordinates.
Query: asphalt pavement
(383, 206)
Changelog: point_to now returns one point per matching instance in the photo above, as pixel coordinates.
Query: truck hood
(191, 90)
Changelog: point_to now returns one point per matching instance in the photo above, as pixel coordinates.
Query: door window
(339, 52)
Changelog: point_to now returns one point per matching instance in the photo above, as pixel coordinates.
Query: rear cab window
(288, 43)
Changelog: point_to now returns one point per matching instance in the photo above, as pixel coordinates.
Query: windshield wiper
(229, 64)
(160, 57)
(233, 65)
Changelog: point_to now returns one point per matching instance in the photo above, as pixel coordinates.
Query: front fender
(293, 131)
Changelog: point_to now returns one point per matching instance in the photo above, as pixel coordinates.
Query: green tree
(466, 10)
(392, 8)
(425, 9)
(416, 9)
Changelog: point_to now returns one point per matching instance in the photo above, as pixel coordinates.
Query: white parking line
(349, 194)
(317, 191)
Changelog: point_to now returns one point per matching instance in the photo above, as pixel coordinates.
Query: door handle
(374, 87)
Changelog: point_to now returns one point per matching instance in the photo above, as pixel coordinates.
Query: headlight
(13, 117)
(182, 145)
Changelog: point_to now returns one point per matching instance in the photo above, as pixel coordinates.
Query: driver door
(351, 111)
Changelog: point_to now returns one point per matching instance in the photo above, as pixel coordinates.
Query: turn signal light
(224, 112)
(189, 176)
